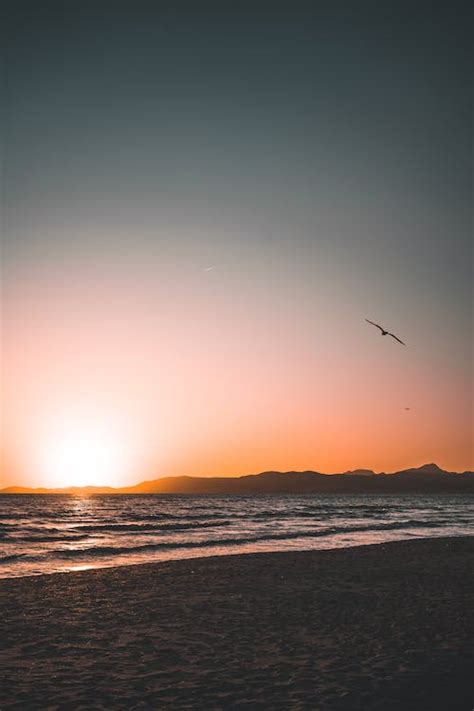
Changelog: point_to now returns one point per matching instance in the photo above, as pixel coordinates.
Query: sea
(42, 534)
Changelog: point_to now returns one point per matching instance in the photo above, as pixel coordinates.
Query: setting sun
(82, 454)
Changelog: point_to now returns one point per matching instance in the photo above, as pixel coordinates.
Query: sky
(200, 208)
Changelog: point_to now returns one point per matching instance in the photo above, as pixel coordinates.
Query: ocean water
(47, 534)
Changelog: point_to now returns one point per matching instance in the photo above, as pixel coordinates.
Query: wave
(191, 516)
(83, 532)
(321, 513)
(236, 541)
(10, 558)
(44, 539)
(150, 527)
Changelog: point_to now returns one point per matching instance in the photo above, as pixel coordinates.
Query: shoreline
(375, 626)
(90, 568)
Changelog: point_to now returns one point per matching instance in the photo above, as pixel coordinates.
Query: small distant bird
(408, 408)
(208, 269)
(385, 332)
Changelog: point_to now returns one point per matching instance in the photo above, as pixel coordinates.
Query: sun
(82, 454)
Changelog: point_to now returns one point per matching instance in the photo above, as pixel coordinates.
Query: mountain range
(428, 478)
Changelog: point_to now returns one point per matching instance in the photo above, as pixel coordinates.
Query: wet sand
(374, 627)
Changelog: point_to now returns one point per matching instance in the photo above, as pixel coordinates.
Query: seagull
(385, 332)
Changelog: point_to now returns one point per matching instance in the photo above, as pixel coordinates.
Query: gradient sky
(199, 210)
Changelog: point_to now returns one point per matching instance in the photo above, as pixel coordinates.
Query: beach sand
(374, 627)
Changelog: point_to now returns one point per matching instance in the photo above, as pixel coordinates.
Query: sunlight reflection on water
(46, 534)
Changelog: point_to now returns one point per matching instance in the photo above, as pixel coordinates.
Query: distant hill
(428, 478)
(64, 490)
(360, 472)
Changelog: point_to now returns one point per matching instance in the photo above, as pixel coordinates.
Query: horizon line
(360, 471)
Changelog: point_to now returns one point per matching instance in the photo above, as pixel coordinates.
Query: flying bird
(384, 332)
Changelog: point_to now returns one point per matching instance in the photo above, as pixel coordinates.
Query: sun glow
(82, 454)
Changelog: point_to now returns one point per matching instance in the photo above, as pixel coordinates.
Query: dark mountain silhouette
(427, 478)
(360, 472)
(63, 490)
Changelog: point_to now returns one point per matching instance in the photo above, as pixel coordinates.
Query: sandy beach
(373, 627)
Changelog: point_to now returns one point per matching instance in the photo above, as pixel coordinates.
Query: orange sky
(205, 385)
(196, 221)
